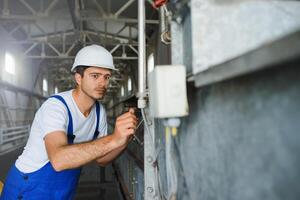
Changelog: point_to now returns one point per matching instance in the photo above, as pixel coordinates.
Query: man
(68, 131)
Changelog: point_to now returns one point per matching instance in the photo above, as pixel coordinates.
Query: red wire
(159, 3)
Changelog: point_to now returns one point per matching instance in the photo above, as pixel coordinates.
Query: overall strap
(70, 134)
(96, 133)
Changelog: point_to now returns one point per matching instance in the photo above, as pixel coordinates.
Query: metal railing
(11, 138)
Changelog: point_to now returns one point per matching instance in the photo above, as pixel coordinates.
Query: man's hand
(125, 127)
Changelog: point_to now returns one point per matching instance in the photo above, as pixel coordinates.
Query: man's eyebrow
(100, 73)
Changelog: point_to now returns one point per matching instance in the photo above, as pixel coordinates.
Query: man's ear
(78, 78)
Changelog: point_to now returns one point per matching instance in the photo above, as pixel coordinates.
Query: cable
(161, 193)
(155, 166)
(146, 124)
(180, 170)
(170, 167)
(171, 129)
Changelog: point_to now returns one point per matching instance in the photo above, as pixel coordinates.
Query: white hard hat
(93, 56)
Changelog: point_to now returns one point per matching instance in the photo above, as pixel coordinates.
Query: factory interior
(215, 85)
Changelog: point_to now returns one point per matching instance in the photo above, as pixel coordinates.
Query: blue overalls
(46, 183)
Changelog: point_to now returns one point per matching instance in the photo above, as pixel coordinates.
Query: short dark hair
(80, 69)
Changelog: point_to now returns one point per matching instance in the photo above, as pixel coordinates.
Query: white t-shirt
(53, 116)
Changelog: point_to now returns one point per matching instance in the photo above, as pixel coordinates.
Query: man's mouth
(101, 90)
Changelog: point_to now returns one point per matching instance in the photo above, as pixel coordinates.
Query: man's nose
(102, 81)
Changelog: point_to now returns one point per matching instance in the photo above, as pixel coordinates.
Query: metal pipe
(142, 54)
(162, 19)
(164, 25)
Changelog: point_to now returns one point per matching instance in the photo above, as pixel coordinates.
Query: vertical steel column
(150, 178)
(142, 54)
(150, 188)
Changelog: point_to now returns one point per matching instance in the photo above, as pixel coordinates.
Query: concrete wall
(241, 139)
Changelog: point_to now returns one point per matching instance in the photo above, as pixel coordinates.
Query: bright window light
(129, 84)
(122, 91)
(9, 63)
(55, 90)
(45, 85)
(150, 62)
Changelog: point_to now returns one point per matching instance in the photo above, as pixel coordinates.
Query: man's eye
(95, 76)
(107, 77)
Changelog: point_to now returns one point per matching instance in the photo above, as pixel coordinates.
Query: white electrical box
(167, 91)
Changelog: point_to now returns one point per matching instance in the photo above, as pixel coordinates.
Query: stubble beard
(92, 96)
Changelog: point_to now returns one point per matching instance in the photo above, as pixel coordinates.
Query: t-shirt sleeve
(53, 116)
(103, 123)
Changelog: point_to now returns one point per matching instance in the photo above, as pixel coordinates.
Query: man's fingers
(132, 110)
(132, 117)
(125, 115)
(128, 120)
(130, 131)
(128, 124)
(131, 125)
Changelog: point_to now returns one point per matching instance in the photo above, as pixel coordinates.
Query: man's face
(94, 82)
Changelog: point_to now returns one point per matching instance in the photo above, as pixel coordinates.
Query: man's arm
(105, 160)
(64, 156)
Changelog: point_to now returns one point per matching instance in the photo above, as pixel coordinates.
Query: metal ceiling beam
(17, 42)
(109, 35)
(8, 86)
(5, 10)
(115, 48)
(92, 32)
(99, 7)
(73, 10)
(27, 5)
(123, 19)
(72, 57)
(53, 34)
(14, 29)
(134, 49)
(30, 48)
(51, 6)
(32, 18)
(54, 49)
(40, 28)
(122, 29)
(123, 8)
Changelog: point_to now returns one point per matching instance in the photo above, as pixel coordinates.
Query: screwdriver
(135, 137)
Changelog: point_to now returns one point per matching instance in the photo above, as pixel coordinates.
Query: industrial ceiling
(50, 32)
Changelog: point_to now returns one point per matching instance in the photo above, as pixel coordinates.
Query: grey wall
(241, 139)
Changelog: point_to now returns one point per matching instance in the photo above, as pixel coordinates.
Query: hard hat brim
(102, 66)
